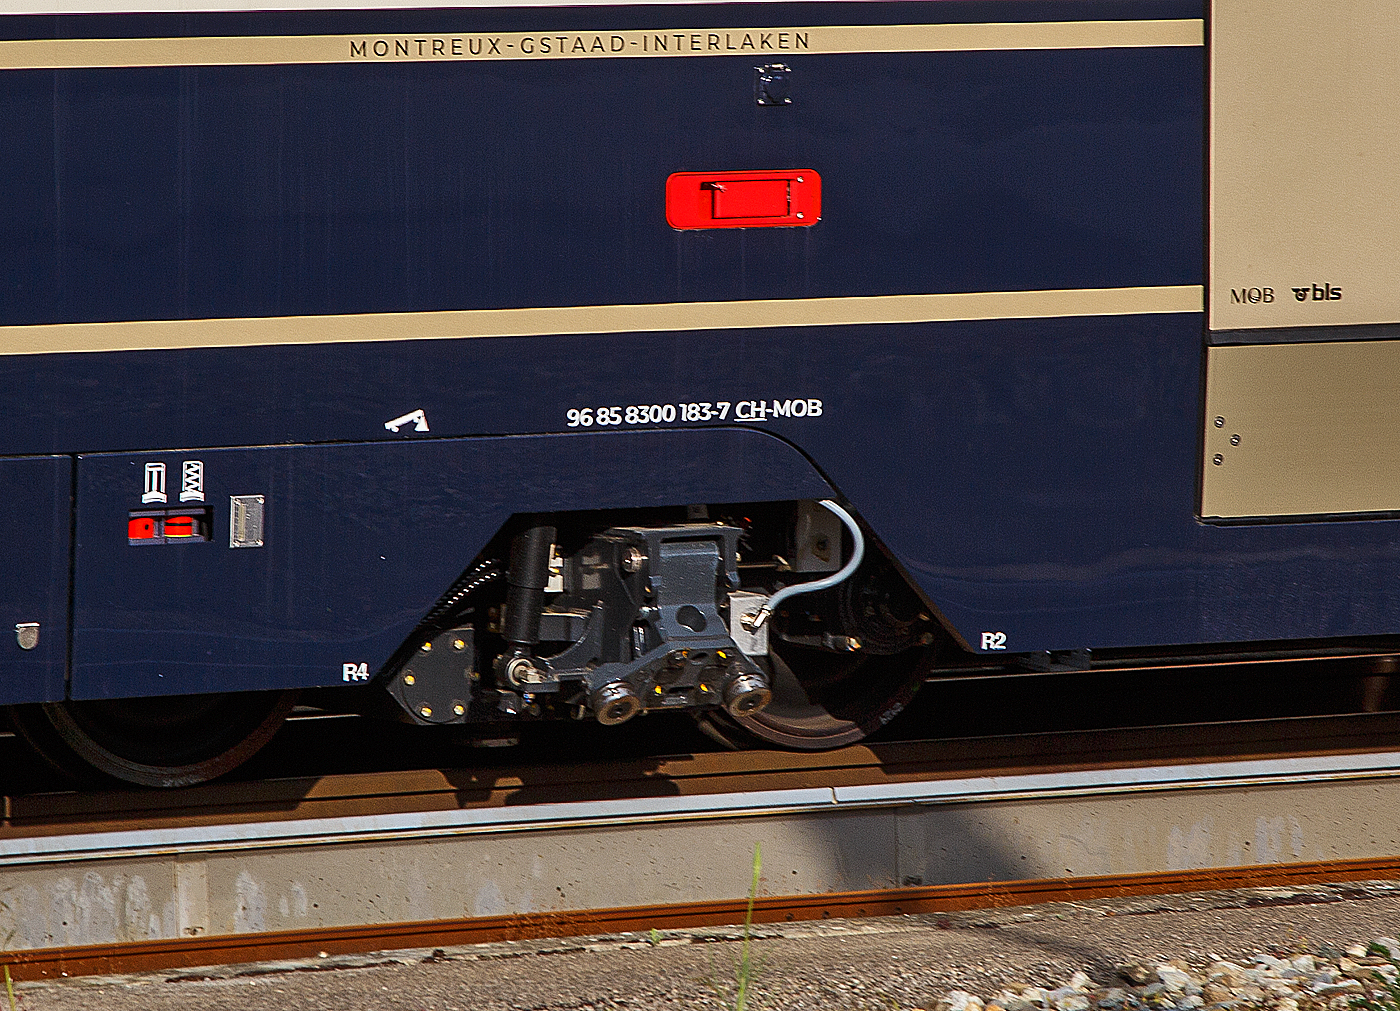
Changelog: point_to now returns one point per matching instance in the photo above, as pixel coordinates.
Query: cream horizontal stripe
(263, 6)
(55, 54)
(586, 319)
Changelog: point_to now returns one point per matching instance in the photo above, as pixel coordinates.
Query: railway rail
(431, 857)
(963, 724)
(519, 785)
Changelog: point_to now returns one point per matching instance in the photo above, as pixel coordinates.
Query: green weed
(1390, 999)
(746, 970)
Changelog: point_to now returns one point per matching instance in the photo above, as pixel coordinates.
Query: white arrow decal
(419, 419)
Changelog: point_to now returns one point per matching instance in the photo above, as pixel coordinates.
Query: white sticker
(154, 490)
(691, 411)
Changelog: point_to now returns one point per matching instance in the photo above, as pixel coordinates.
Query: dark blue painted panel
(34, 525)
(155, 193)
(1036, 476)
(361, 539)
(28, 214)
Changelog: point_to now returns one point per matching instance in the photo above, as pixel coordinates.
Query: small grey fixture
(818, 539)
(751, 643)
(27, 634)
(245, 521)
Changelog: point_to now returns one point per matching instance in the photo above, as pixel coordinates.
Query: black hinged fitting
(655, 638)
(772, 84)
(520, 624)
(637, 626)
(434, 685)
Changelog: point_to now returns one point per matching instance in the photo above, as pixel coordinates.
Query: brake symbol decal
(154, 489)
(192, 481)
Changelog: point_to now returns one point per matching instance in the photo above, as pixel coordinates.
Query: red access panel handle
(749, 199)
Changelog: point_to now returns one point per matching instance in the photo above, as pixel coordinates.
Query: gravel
(1310, 948)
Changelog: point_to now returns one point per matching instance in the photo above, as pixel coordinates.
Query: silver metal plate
(245, 521)
(750, 643)
(818, 539)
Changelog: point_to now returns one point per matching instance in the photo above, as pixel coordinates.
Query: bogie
(628, 619)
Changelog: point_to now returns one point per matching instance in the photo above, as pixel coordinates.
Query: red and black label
(170, 526)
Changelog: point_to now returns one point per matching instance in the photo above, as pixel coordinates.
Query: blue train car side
(398, 289)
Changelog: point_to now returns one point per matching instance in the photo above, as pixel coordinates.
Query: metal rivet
(1218, 460)
(1234, 440)
(799, 214)
(27, 634)
(1219, 422)
(407, 678)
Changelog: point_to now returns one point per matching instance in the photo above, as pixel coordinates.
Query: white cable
(755, 620)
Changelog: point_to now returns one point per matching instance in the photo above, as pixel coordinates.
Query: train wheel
(838, 699)
(167, 741)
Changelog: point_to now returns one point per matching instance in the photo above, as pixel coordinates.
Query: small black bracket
(772, 84)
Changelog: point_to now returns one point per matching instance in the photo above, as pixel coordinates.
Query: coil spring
(472, 580)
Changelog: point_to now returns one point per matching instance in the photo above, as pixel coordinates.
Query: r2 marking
(993, 640)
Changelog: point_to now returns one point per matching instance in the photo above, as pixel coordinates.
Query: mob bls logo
(1319, 293)
(1265, 294)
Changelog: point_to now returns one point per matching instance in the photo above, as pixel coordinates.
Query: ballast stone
(1173, 979)
(1322, 982)
(961, 1000)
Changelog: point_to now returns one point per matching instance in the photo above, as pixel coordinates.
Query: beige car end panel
(1304, 218)
(1302, 429)
(1305, 163)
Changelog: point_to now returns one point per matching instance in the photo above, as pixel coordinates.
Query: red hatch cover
(789, 197)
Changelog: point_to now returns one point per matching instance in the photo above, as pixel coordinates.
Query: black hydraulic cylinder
(528, 576)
